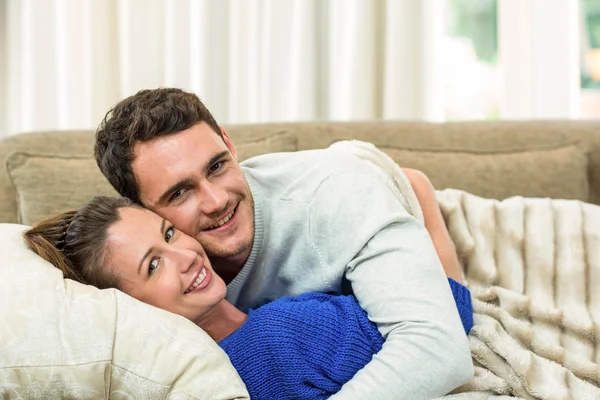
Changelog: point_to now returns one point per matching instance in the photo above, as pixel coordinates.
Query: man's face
(193, 179)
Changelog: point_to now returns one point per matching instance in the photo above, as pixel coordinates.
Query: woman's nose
(182, 259)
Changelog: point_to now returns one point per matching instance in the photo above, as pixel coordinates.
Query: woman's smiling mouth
(201, 281)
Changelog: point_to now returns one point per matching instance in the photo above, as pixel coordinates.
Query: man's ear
(228, 141)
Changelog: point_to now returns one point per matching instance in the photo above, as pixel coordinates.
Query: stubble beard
(230, 251)
(227, 255)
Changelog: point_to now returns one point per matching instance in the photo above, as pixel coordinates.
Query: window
(590, 76)
(590, 60)
(471, 60)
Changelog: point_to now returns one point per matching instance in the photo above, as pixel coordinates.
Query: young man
(285, 224)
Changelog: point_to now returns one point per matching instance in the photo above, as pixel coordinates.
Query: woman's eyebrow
(162, 229)
(143, 258)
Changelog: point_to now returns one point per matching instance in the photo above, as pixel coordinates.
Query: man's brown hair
(140, 118)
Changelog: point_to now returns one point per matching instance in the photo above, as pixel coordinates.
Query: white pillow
(62, 339)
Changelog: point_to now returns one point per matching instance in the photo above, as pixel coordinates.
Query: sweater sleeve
(394, 272)
(303, 347)
(464, 304)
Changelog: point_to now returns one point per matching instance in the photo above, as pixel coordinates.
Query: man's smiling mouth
(222, 221)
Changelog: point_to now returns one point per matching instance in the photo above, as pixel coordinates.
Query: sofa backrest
(44, 172)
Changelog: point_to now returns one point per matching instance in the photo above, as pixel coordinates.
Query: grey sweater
(326, 221)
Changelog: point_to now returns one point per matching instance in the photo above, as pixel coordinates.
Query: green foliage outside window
(477, 20)
(591, 10)
(592, 16)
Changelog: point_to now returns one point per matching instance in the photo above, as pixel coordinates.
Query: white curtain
(68, 61)
(3, 68)
(539, 45)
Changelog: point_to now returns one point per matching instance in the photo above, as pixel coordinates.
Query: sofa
(44, 172)
(70, 340)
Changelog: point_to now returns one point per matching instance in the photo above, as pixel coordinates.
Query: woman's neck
(222, 320)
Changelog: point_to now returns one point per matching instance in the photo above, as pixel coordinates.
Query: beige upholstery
(489, 159)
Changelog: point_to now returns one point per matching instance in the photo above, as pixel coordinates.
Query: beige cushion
(558, 172)
(49, 184)
(61, 339)
(279, 141)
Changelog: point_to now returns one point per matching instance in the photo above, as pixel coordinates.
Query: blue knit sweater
(308, 346)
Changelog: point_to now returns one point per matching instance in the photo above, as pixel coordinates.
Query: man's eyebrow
(188, 181)
(162, 229)
(215, 158)
(179, 185)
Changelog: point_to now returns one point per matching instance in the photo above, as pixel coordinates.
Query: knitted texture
(462, 297)
(308, 346)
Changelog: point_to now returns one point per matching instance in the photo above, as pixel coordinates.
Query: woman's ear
(228, 141)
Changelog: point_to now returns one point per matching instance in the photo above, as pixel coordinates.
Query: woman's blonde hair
(75, 241)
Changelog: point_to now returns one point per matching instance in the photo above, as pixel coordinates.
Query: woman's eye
(169, 234)
(153, 265)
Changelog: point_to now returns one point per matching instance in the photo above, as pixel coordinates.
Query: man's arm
(397, 277)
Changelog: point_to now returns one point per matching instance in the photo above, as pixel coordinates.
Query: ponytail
(75, 241)
(47, 239)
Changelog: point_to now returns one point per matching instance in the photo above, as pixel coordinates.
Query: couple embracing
(305, 267)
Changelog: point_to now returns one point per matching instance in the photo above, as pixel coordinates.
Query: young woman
(303, 347)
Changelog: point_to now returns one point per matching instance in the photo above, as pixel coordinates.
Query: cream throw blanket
(533, 267)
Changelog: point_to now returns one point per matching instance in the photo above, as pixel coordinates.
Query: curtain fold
(3, 67)
(68, 61)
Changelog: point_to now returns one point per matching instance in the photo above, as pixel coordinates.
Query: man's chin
(233, 251)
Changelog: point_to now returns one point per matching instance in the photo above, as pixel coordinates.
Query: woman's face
(162, 266)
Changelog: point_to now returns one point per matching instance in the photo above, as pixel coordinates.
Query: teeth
(221, 222)
(198, 281)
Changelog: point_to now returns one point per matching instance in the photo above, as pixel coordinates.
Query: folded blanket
(533, 266)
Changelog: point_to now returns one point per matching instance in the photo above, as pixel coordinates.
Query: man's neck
(222, 320)
(228, 268)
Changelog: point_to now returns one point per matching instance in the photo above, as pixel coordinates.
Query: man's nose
(213, 199)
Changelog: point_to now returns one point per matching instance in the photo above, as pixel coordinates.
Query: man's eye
(178, 193)
(170, 232)
(153, 265)
(216, 166)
